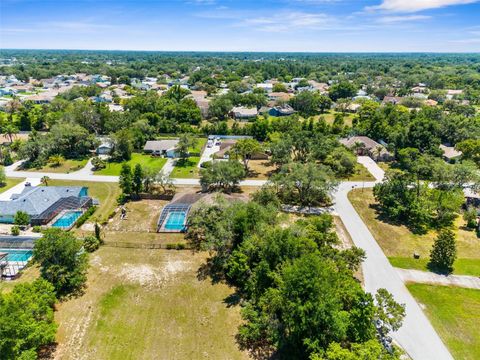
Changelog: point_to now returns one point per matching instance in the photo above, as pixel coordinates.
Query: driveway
(417, 336)
(425, 277)
(377, 172)
(207, 154)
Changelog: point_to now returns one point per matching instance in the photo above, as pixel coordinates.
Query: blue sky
(243, 25)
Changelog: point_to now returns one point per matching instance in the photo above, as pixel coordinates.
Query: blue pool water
(17, 255)
(176, 220)
(67, 219)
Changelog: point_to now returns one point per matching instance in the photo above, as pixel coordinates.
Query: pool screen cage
(173, 207)
(68, 203)
(17, 242)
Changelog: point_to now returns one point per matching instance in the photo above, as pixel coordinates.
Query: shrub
(91, 243)
(21, 218)
(37, 229)
(98, 163)
(82, 219)
(15, 231)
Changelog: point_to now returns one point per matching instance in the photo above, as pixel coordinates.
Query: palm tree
(44, 180)
(10, 130)
(357, 146)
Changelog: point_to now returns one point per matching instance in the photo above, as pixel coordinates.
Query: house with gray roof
(161, 147)
(43, 203)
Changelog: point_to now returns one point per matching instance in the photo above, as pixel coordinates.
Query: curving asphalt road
(417, 336)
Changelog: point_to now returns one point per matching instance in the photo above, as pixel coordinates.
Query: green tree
(224, 175)
(444, 252)
(185, 143)
(369, 350)
(27, 321)
(305, 184)
(342, 90)
(389, 314)
(122, 146)
(245, 149)
(137, 179)
(125, 180)
(3, 177)
(61, 261)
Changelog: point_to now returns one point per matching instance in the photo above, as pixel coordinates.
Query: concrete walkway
(372, 167)
(168, 167)
(425, 277)
(416, 336)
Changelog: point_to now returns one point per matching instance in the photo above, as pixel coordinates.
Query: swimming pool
(176, 220)
(17, 255)
(67, 219)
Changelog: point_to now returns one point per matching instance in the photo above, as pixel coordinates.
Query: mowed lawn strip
(455, 314)
(105, 193)
(361, 174)
(399, 243)
(148, 304)
(9, 183)
(146, 161)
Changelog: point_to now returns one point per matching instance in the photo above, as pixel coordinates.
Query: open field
(67, 166)
(187, 169)
(106, 193)
(148, 304)
(330, 116)
(455, 314)
(114, 168)
(9, 183)
(399, 243)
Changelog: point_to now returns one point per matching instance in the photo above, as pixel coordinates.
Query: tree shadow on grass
(382, 216)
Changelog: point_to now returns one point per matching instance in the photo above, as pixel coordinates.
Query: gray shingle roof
(35, 200)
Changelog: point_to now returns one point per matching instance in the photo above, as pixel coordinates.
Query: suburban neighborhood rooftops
(243, 112)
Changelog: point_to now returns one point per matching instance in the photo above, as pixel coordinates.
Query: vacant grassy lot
(148, 304)
(455, 314)
(106, 193)
(260, 169)
(114, 168)
(399, 243)
(186, 169)
(65, 167)
(330, 116)
(9, 183)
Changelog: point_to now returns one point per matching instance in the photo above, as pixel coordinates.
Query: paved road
(425, 277)
(417, 336)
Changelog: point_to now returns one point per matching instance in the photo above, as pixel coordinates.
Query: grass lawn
(399, 243)
(455, 314)
(197, 149)
(361, 174)
(148, 304)
(330, 116)
(28, 274)
(68, 166)
(9, 183)
(106, 193)
(114, 168)
(188, 169)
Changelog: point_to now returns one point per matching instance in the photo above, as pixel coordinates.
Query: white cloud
(401, 19)
(417, 5)
(291, 21)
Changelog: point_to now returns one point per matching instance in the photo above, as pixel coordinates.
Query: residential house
(392, 100)
(164, 148)
(363, 145)
(285, 110)
(243, 113)
(43, 203)
(449, 153)
(227, 145)
(105, 147)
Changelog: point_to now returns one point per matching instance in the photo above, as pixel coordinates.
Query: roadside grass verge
(361, 174)
(399, 243)
(146, 161)
(9, 183)
(186, 169)
(105, 193)
(67, 166)
(455, 314)
(148, 304)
